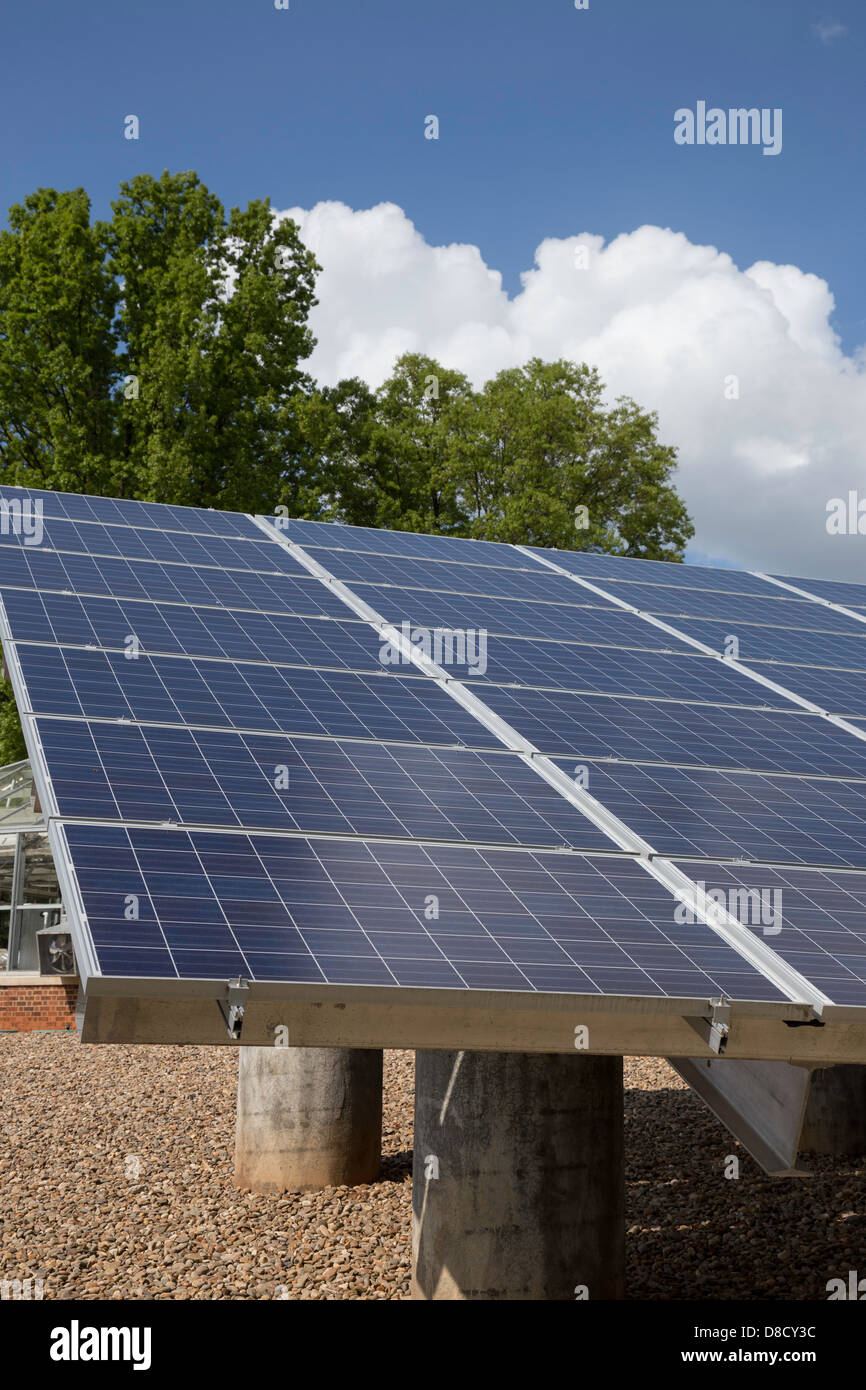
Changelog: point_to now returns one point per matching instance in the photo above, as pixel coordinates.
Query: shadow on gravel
(704, 1222)
(396, 1167)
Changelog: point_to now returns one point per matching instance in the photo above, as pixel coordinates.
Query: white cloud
(666, 322)
(829, 29)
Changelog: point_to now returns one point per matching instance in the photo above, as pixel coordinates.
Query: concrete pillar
(518, 1182)
(835, 1120)
(308, 1117)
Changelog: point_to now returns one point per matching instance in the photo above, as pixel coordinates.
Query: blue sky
(553, 121)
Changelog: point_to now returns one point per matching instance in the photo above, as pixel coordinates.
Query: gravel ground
(116, 1168)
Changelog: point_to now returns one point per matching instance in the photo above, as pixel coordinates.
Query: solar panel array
(250, 776)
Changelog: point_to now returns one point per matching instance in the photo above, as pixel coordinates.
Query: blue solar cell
(171, 547)
(835, 590)
(600, 726)
(69, 620)
(222, 694)
(272, 783)
(519, 617)
(196, 585)
(730, 815)
(838, 692)
(444, 577)
(762, 643)
(814, 919)
(617, 671)
(159, 515)
(597, 568)
(358, 912)
(368, 540)
(738, 608)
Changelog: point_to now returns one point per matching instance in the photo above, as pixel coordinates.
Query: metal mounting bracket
(232, 1007)
(713, 1026)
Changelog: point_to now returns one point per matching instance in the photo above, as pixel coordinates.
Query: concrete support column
(308, 1117)
(518, 1180)
(835, 1120)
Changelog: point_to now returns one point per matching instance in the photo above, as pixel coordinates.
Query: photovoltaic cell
(221, 694)
(408, 574)
(598, 568)
(835, 590)
(818, 920)
(519, 617)
(160, 515)
(142, 543)
(599, 726)
(195, 777)
(195, 585)
(789, 645)
(66, 619)
(367, 540)
(619, 671)
(788, 612)
(214, 905)
(724, 815)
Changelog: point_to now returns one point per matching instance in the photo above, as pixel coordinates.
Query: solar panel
(615, 568)
(337, 911)
(788, 612)
(618, 671)
(517, 617)
(28, 568)
(142, 543)
(67, 620)
(236, 695)
(789, 645)
(160, 515)
(281, 804)
(820, 916)
(719, 815)
(836, 691)
(834, 590)
(448, 577)
(370, 541)
(267, 782)
(673, 732)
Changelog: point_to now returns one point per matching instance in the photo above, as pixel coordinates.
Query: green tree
(543, 462)
(332, 479)
(156, 355)
(58, 363)
(213, 330)
(388, 458)
(534, 457)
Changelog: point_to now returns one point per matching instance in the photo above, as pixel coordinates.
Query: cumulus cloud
(743, 366)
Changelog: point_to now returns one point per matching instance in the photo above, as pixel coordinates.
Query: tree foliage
(158, 354)
(534, 457)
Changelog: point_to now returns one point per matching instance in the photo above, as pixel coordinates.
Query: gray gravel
(116, 1169)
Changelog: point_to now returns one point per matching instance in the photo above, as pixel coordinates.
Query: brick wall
(29, 1002)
